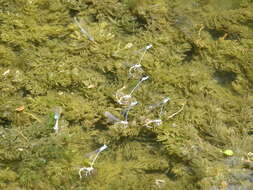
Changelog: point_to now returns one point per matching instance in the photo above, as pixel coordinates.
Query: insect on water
(153, 106)
(113, 119)
(57, 115)
(137, 67)
(126, 111)
(83, 31)
(93, 157)
(160, 104)
(144, 50)
(123, 99)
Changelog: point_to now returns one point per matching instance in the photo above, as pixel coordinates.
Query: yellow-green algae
(202, 56)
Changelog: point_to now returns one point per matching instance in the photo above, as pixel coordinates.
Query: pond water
(126, 94)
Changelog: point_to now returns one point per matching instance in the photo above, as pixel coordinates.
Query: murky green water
(126, 94)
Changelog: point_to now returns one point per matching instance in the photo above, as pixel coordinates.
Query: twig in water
(22, 135)
(33, 116)
(174, 114)
(156, 121)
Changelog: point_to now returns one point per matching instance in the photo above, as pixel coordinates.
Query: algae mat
(126, 94)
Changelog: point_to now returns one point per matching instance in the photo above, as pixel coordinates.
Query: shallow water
(80, 57)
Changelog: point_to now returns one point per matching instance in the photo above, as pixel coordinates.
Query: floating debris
(160, 183)
(20, 108)
(228, 152)
(6, 72)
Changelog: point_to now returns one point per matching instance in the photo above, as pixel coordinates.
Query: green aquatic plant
(200, 58)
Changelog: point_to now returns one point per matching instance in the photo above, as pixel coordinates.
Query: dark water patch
(250, 132)
(185, 25)
(6, 123)
(189, 55)
(101, 125)
(154, 171)
(217, 34)
(224, 78)
(73, 12)
(24, 92)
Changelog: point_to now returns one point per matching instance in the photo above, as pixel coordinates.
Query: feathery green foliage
(202, 58)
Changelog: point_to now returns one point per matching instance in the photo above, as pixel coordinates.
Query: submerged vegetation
(65, 64)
